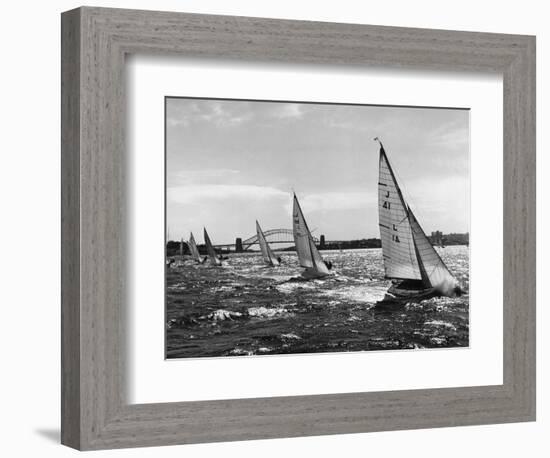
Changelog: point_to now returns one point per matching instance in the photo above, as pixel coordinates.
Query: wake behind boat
(308, 255)
(410, 260)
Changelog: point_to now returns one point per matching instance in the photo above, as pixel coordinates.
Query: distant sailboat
(409, 257)
(308, 255)
(210, 250)
(193, 249)
(267, 253)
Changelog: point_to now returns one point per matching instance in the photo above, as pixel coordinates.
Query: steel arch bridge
(273, 236)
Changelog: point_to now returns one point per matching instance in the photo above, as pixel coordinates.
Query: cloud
(214, 113)
(199, 194)
(450, 135)
(338, 200)
(288, 111)
(204, 176)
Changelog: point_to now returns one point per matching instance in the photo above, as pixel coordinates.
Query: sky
(230, 162)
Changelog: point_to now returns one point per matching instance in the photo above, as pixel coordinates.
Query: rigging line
(406, 217)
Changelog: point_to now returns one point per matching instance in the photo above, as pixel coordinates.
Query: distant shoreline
(175, 253)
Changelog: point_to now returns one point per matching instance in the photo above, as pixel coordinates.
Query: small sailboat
(267, 253)
(214, 260)
(193, 249)
(410, 260)
(308, 255)
(177, 261)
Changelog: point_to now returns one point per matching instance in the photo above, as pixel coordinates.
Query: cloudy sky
(232, 162)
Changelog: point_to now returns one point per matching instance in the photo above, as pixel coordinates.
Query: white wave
(289, 287)
(364, 293)
(438, 340)
(265, 312)
(290, 336)
(440, 323)
(222, 315)
(240, 352)
(353, 318)
(178, 286)
(219, 289)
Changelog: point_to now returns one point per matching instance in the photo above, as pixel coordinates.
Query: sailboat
(410, 260)
(193, 249)
(214, 260)
(267, 253)
(308, 255)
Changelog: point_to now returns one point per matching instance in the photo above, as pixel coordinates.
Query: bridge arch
(273, 236)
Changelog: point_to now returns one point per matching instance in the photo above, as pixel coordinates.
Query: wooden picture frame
(95, 411)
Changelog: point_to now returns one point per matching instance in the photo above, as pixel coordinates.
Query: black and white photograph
(298, 227)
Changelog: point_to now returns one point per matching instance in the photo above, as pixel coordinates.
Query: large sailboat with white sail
(410, 260)
(267, 252)
(212, 258)
(308, 255)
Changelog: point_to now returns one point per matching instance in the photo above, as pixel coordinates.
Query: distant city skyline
(230, 163)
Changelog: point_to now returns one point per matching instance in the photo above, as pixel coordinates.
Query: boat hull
(399, 295)
(310, 274)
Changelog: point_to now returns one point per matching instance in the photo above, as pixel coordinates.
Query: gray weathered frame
(95, 413)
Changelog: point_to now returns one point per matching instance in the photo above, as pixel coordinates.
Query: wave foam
(440, 323)
(264, 312)
(365, 294)
(222, 315)
(290, 336)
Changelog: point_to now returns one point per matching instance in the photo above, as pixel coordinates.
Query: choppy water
(245, 308)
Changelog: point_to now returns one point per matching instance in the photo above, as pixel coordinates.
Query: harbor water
(246, 308)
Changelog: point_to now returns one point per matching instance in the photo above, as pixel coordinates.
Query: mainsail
(400, 259)
(210, 250)
(308, 255)
(193, 248)
(267, 253)
(407, 252)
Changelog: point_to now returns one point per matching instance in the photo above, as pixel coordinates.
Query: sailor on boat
(308, 255)
(410, 261)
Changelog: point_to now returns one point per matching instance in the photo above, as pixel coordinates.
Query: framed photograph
(279, 228)
(321, 283)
